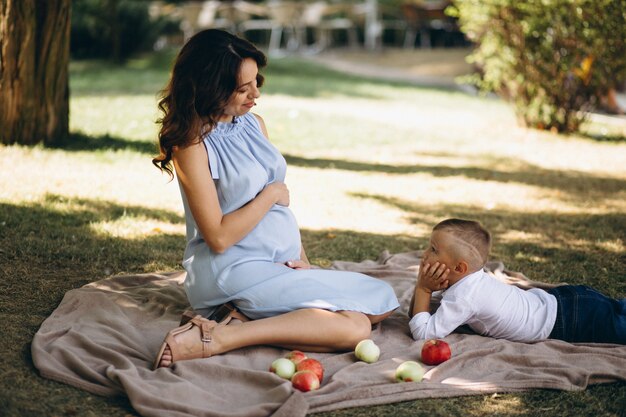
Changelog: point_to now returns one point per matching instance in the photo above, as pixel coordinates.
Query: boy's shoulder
(469, 285)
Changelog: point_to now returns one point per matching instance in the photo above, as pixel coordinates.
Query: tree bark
(34, 61)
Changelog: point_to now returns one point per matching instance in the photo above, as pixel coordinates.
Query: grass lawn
(373, 165)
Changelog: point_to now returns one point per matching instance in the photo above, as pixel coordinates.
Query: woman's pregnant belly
(275, 239)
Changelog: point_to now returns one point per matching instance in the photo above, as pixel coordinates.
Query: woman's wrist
(271, 194)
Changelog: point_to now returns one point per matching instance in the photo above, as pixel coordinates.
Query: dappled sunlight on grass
(525, 257)
(522, 236)
(130, 227)
(122, 176)
(498, 405)
(56, 230)
(568, 246)
(613, 245)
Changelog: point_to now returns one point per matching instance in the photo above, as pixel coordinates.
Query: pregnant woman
(243, 242)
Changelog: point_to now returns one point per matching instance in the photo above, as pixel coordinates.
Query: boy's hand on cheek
(433, 277)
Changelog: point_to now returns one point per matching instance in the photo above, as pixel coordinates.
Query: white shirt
(490, 308)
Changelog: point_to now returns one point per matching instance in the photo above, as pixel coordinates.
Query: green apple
(283, 367)
(409, 371)
(367, 351)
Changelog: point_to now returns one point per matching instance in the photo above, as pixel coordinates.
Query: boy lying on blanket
(454, 263)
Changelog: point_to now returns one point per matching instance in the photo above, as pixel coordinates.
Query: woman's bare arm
(218, 230)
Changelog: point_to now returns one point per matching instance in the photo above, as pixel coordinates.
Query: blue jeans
(585, 315)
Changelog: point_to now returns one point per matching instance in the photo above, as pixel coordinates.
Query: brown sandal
(185, 343)
(223, 313)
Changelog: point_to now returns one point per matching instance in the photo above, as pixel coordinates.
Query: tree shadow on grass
(46, 249)
(597, 400)
(77, 141)
(554, 247)
(579, 184)
(50, 247)
(59, 236)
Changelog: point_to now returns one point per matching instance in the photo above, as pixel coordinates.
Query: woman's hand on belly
(298, 264)
(281, 192)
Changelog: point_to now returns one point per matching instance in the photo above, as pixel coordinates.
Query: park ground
(373, 164)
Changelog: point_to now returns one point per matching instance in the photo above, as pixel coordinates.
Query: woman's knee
(358, 328)
(378, 317)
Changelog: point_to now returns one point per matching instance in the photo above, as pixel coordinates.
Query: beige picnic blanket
(104, 336)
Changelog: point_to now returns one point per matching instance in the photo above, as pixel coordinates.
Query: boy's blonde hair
(474, 235)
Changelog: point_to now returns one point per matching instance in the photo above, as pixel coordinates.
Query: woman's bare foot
(166, 358)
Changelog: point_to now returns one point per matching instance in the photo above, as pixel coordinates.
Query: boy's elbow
(417, 334)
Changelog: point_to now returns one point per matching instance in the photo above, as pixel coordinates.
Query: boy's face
(440, 249)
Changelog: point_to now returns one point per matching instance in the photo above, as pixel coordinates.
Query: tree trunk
(34, 59)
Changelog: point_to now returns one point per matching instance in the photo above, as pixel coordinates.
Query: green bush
(551, 58)
(114, 29)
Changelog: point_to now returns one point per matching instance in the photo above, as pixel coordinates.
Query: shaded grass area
(51, 247)
(83, 142)
(573, 249)
(599, 400)
(54, 242)
(47, 249)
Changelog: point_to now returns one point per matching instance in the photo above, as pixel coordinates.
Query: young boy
(454, 262)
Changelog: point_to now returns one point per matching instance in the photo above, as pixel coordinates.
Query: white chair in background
(323, 19)
(375, 19)
(197, 16)
(280, 18)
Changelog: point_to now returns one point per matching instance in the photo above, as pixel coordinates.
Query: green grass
(372, 166)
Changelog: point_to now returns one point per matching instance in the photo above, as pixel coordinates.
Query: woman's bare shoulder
(189, 153)
(262, 124)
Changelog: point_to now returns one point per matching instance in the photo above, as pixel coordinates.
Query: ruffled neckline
(227, 128)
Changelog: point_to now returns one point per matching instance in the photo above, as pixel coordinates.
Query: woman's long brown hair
(204, 77)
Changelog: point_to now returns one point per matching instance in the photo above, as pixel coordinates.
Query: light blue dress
(252, 273)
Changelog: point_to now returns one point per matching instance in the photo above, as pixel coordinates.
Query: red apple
(295, 356)
(305, 381)
(313, 365)
(435, 351)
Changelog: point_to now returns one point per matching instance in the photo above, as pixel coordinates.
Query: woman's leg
(378, 318)
(307, 329)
